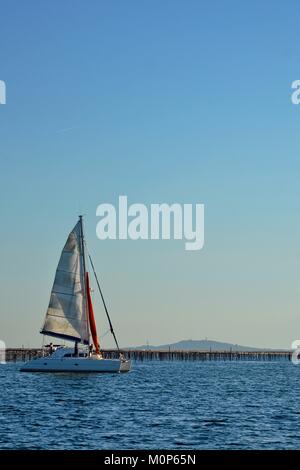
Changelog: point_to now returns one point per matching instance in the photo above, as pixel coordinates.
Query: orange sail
(91, 315)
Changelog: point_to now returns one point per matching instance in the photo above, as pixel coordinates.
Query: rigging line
(102, 336)
(104, 304)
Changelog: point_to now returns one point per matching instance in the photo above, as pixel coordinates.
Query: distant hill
(199, 345)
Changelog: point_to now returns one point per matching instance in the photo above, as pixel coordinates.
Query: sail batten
(66, 315)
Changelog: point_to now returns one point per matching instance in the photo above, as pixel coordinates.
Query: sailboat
(70, 316)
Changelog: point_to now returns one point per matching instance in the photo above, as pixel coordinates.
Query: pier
(26, 354)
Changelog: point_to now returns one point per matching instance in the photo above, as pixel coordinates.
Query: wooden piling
(23, 354)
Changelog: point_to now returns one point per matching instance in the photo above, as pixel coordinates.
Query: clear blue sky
(165, 101)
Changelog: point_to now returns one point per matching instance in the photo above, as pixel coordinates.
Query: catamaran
(70, 316)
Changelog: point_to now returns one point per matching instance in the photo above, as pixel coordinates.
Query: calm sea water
(162, 405)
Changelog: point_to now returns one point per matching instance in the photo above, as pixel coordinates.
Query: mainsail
(66, 316)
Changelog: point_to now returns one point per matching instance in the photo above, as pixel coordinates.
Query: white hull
(58, 363)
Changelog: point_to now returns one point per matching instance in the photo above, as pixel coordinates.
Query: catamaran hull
(77, 365)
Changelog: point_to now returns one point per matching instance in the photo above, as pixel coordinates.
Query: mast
(84, 274)
(90, 319)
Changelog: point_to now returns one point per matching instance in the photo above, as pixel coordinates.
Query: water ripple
(164, 405)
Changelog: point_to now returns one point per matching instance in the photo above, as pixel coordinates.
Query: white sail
(66, 316)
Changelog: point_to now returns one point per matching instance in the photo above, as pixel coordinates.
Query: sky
(162, 101)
